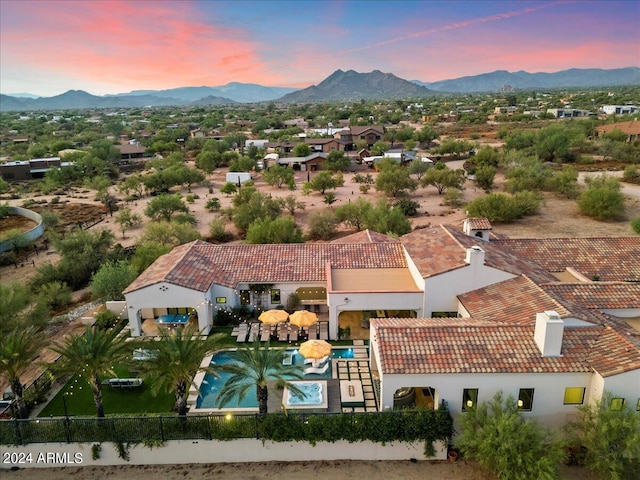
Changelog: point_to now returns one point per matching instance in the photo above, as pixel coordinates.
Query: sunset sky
(105, 46)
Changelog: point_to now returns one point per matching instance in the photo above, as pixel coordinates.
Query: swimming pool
(211, 386)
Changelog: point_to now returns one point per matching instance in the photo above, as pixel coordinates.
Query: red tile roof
(479, 223)
(438, 346)
(496, 302)
(598, 295)
(199, 264)
(610, 259)
(366, 236)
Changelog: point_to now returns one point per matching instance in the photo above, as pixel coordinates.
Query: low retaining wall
(29, 235)
(210, 451)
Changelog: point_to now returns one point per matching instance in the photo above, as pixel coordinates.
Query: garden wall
(29, 235)
(211, 451)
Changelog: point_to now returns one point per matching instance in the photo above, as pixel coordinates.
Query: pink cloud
(137, 43)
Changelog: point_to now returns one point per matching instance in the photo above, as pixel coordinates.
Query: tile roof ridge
(547, 294)
(452, 235)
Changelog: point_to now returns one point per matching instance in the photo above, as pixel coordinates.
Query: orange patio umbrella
(303, 318)
(272, 317)
(315, 349)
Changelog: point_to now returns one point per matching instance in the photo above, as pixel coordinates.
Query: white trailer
(238, 177)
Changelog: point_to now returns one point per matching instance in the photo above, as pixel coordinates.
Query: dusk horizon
(111, 47)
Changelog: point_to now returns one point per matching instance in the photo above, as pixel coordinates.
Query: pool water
(311, 394)
(211, 385)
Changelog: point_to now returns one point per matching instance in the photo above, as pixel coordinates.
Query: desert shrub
(407, 206)
(635, 225)
(565, 182)
(213, 204)
(631, 174)
(453, 197)
(322, 225)
(485, 176)
(106, 319)
(499, 207)
(56, 295)
(603, 199)
(218, 230)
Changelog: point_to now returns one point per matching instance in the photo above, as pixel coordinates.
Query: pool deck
(355, 370)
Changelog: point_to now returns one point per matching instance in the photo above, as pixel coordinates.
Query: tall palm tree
(254, 367)
(17, 350)
(177, 358)
(91, 355)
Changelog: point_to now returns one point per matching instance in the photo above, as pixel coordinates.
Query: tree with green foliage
(442, 177)
(242, 164)
(379, 148)
(525, 173)
(18, 307)
(17, 350)
(353, 214)
(252, 370)
(82, 252)
(485, 176)
(505, 444)
(451, 146)
(208, 160)
(104, 150)
(110, 281)
(426, 135)
(323, 181)
(55, 295)
(146, 253)
(127, 219)
(611, 436)
(279, 175)
(169, 234)
(602, 199)
(277, 230)
(251, 205)
(407, 206)
(4, 186)
(336, 161)
(564, 181)
(291, 204)
(164, 206)
(91, 355)
(132, 185)
(394, 179)
(322, 224)
(301, 150)
(386, 219)
(178, 357)
(188, 176)
(418, 168)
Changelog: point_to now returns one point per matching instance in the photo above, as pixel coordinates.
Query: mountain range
(340, 85)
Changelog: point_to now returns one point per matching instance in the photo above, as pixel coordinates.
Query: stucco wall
(205, 451)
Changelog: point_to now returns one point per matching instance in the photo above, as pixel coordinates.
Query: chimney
(548, 333)
(475, 256)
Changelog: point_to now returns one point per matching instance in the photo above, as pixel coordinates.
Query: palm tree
(17, 350)
(91, 355)
(177, 358)
(255, 367)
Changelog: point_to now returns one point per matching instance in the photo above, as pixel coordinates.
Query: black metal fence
(406, 425)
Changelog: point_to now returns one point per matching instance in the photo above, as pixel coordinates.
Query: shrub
(485, 176)
(635, 225)
(56, 295)
(631, 174)
(106, 319)
(498, 207)
(218, 230)
(407, 206)
(322, 225)
(453, 197)
(213, 204)
(233, 316)
(603, 199)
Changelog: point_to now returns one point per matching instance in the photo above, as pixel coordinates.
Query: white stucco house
(453, 314)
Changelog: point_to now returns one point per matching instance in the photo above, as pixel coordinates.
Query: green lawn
(79, 399)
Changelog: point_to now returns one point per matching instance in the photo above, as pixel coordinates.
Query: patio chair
(254, 332)
(317, 370)
(265, 333)
(293, 333)
(283, 332)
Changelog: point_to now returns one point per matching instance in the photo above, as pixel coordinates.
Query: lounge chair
(316, 362)
(293, 333)
(283, 332)
(317, 370)
(254, 332)
(287, 359)
(265, 333)
(243, 331)
(313, 332)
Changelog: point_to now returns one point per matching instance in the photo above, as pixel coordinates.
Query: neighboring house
(311, 162)
(455, 315)
(325, 145)
(369, 134)
(28, 169)
(619, 109)
(631, 129)
(569, 113)
(131, 151)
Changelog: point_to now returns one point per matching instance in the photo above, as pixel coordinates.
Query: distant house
(569, 113)
(309, 163)
(325, 145)
(129, 151)
(631, 129)
(619, 109)
(370, 134)
(28, 169)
